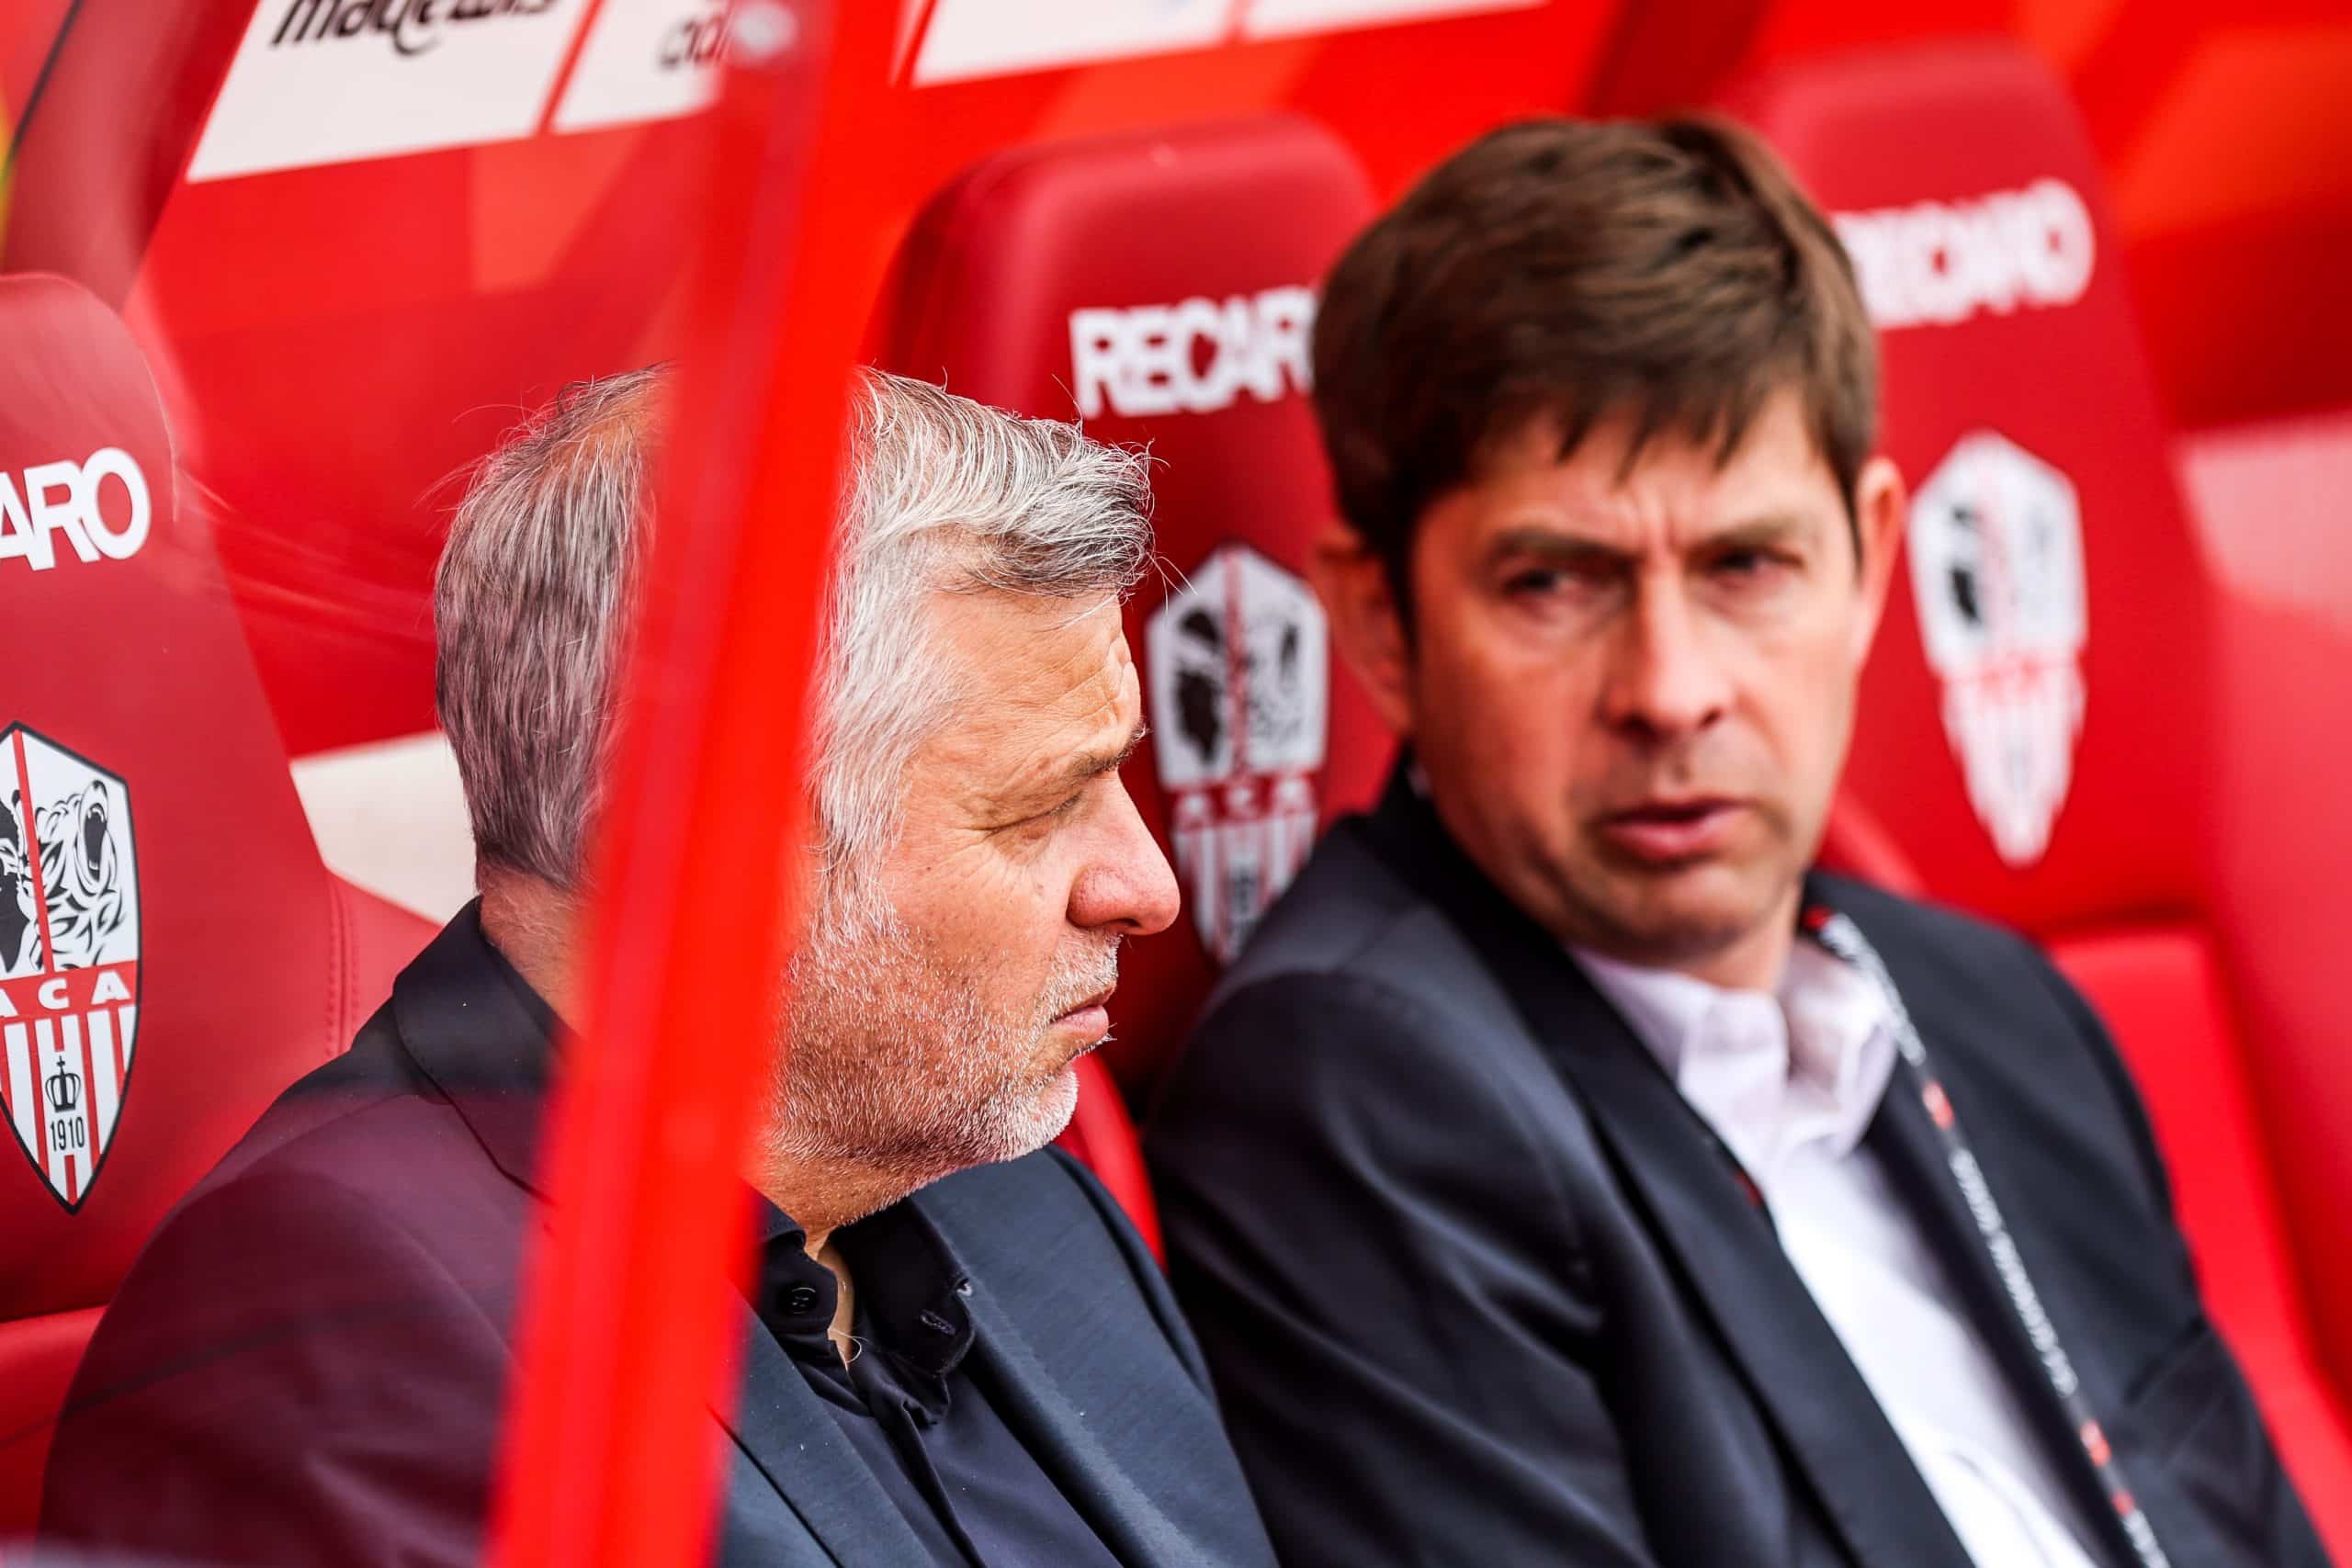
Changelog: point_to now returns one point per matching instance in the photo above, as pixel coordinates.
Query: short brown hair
(1669, 271)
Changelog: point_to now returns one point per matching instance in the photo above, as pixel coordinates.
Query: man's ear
(1881, 506)
(1353, 581)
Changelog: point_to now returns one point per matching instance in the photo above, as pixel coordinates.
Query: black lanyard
(1844, 940)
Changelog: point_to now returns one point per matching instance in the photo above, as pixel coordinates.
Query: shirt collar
(911, 1293)
(1768, 1070)
(477, 1030)
(1841, 1034)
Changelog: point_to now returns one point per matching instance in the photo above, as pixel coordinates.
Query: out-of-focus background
(319, 253)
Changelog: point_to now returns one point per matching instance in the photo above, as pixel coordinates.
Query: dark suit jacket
(1478, 1287)
(308, 1362)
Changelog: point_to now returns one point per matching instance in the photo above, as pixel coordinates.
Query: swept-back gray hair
(535, 599)
(945, 494)
(530, 608)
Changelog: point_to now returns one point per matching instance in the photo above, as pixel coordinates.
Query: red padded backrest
(2038, 711)
(2270, 499)
(1161, 289)
(2267, 501)
(172, 953)
(2019, 406)
(2161, 990)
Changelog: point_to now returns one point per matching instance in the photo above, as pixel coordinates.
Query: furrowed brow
(1551, 544)
(1755, 532)
(1090, 765)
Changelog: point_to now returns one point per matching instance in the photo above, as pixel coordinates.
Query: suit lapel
(1908, 1145)
(1065, 1448)
(1743, 1282)
(782, 1428)
(1699, 1210)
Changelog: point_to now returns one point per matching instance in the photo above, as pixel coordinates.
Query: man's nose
(1127, 887)
(1666, 681)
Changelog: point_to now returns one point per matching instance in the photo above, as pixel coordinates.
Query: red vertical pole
(611, 1456)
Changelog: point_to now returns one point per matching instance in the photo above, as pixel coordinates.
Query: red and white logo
(69, 957)
(1996, 565)
(1239, 667)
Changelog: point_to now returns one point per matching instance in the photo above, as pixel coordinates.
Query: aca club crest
(1996, 565)
(69, 957)
(1238, 669)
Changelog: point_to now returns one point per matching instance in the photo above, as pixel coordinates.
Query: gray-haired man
(955, 1351)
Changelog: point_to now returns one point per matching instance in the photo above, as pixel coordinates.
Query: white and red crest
(69, 957)
(1239, 666)
(1997, 564)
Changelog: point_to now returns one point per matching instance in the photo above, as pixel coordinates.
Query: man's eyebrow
(1087, 766)
(1769, 528)
(1551, 542)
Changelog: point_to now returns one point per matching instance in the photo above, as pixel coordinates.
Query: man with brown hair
(1567, 1174)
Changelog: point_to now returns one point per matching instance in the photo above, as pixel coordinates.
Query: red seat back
(172, 953)
(1161, 289)
(2269, 500)
(2037, 713)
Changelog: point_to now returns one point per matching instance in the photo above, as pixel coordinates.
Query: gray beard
(899, 1072)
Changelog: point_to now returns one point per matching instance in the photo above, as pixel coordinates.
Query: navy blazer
(308, 1362)
(1480, 1287)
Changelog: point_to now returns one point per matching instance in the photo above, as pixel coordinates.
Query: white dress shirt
(1789, 1081)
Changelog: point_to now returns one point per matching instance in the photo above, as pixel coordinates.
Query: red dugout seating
(172, 953)
(1160, 288)
(2270, 499)
(2054, 686)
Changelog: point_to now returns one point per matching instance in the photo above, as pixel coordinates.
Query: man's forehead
(1776, 473)
(1040, 679)
(1031, 647)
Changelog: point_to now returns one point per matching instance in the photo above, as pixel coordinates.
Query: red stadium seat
(2270, 501)
(151, 832)
(2041, 718)
(1160, 288)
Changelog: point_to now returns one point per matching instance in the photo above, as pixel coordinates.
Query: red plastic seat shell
(255, 963)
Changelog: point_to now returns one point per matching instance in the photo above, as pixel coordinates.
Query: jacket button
(801, 1298)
